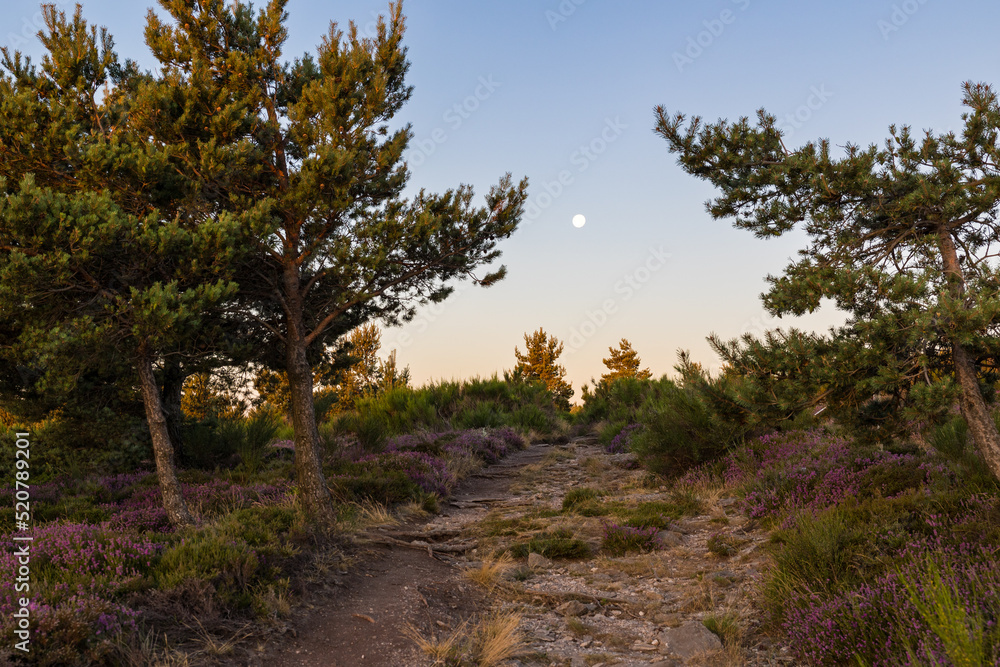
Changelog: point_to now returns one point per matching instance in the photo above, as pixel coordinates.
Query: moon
(579, 221)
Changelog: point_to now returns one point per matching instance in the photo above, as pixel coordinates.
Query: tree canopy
(624, 362)
(341, 245)
(108, 258)
(902, 237)
(538, 363)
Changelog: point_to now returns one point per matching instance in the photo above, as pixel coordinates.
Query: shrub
(659, 514)
(950, 437)
(557, 544)
(211, 555)
(620, 540)
(477, 403)
(622, 441)
(256, 433)
(681, 430)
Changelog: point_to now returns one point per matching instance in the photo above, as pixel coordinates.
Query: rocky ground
(439, 587)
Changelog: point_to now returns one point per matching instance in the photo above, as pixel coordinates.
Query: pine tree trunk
(977, 415)
(163, 451)
(974, 409)
(313, 490)
(173, 389)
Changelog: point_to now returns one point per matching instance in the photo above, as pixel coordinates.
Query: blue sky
(563, 92)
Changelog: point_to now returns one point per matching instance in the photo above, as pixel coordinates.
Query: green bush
(210, 555)
(477, 415)
(386, 487)
(256, 433)
(682, 430)
(477, 403)
(100, 443)
(950, 437)
(618, 401)
(819, 554)
(659, 514)
(208, 443)
(557, 544)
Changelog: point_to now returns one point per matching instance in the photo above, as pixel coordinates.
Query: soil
(410, 578)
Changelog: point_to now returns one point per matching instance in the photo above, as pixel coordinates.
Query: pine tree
(108, 256)
(623, 363)
(342, 242)
(902, 238)
(538, 364)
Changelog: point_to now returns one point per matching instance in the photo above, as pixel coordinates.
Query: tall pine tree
(902, 237)
(108, 254)
(343, 245)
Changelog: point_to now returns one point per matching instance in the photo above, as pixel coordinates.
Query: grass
(555, 544)
(724, 545)
(962, 634)
(726, 625)
(880, 556)
(580, 496)
(491, 571)
(489, 642)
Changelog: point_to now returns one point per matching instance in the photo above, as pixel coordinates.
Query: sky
(563, 91)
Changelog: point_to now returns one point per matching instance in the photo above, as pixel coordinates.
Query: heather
(106, 562)
(882, 556)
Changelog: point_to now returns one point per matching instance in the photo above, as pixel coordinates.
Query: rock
(538, 562)
(669, 620)
(572, 608)
(643, 646)
(691, 639)
(670, 538)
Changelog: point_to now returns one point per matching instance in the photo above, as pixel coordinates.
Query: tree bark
(313, 491)
(173, 387)
(163, 450)
(974, 409)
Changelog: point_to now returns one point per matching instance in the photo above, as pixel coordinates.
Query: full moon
(579, 221)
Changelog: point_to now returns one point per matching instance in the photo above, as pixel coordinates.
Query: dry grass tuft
(376, 514)
(491, 571)
(492, 640)
(497, 638)
(144, 650)
(442, 651)
(214, 646)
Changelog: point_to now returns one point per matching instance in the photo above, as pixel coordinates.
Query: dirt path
(634, 610)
